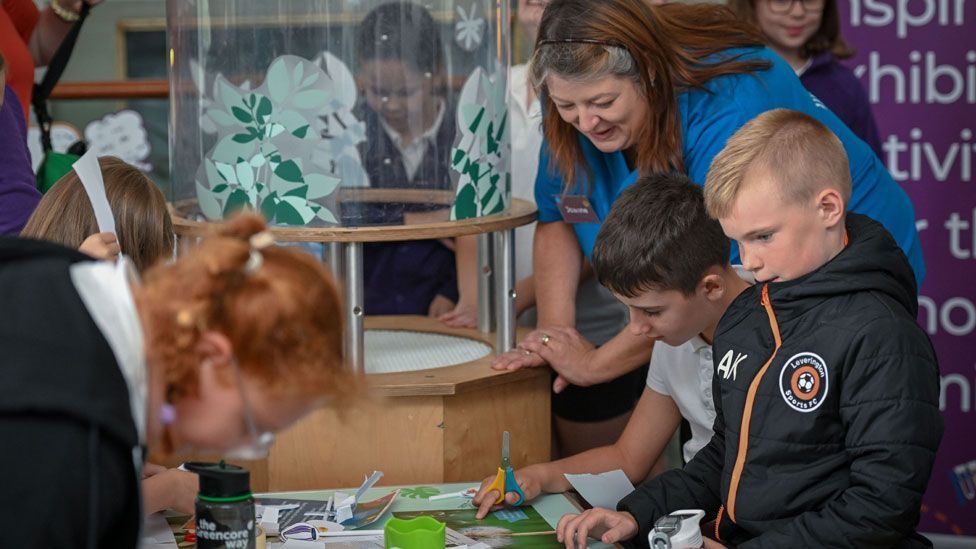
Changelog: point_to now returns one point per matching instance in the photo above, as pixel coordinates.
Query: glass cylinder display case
(372, 132)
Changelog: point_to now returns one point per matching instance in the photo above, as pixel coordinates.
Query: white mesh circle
(389, 351)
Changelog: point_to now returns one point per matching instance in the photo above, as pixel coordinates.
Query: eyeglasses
(260, 443)
(785, 6)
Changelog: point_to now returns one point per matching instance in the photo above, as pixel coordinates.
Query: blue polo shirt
(708, 118)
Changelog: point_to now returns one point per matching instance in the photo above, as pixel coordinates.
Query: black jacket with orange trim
(837, 388)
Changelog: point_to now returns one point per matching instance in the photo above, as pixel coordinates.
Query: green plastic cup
(421, 532)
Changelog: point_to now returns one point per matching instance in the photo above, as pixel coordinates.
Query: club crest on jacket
(803, 381)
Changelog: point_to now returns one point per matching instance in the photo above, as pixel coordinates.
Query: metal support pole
(504, 255)
(352, 254)
(486, 317)
(332, 256)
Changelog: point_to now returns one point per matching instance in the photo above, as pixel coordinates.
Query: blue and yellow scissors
(505, 479)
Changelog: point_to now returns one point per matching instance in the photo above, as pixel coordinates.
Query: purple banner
(917, 61)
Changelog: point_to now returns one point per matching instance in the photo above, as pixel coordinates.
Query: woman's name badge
(577, 209)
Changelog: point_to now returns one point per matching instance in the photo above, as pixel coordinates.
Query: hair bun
(242, 226)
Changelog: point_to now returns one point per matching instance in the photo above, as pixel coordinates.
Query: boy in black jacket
(826, 390)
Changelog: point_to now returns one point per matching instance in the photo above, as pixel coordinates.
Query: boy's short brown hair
(658, 237)
(798, 151)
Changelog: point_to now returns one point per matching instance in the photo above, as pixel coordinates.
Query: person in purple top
(806, 33)
(18, 194)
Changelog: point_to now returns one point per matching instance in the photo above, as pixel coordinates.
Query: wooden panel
(474, 422)
(520, 212)
(412, 439)
(400, 436)
(127, 89)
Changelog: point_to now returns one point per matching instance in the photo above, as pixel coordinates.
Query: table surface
(551, 507)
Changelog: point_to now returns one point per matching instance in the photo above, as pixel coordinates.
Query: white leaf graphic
(469, 28)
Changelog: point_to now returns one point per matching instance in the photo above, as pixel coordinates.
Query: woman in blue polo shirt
(631, 88)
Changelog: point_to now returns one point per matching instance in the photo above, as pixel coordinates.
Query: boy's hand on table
(484, 500)
(598, 523)
(712, 544)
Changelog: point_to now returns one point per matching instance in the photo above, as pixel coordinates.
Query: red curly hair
(283, 319)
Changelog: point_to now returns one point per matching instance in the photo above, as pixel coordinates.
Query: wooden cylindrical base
(423, 427)
(417, 439)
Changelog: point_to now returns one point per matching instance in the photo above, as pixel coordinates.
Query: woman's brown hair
(827, 37)
(278, 307)
(142, 222)
(674, 47)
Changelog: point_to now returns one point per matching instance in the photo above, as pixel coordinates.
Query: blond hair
(797, 151)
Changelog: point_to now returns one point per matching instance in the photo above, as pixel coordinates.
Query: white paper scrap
(302, 544)
(90, 174)
(368, 483)
(602, 490)
(365, 539)
(156, 533)
(343, 513)
(269, 521)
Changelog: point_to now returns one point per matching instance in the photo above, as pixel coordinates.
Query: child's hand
(528, 480)
(711, 544)
(464, 315)
(170, 489)
(101, 246)
(150, 469)
(440, 305)
(598, 523)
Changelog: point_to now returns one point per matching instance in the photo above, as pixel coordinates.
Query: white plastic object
(678, 530)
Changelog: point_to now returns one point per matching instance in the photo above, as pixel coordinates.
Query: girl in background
(145, 229)
(410, 130)
(806, 33)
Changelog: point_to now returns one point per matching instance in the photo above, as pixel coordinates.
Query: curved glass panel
(339, 112)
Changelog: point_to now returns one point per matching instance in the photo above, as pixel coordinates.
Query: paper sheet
(90, 174)
(269, 520)
(298, 544)
(451, 539)
(602, 490)
(156, 533)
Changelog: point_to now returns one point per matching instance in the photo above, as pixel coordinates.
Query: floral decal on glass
(283, 148)
(481, 154)
(469, 28)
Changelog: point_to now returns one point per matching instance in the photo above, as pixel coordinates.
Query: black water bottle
(225, 507)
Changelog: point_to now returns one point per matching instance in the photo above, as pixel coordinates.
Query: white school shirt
(413, 154)
(684, 373)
